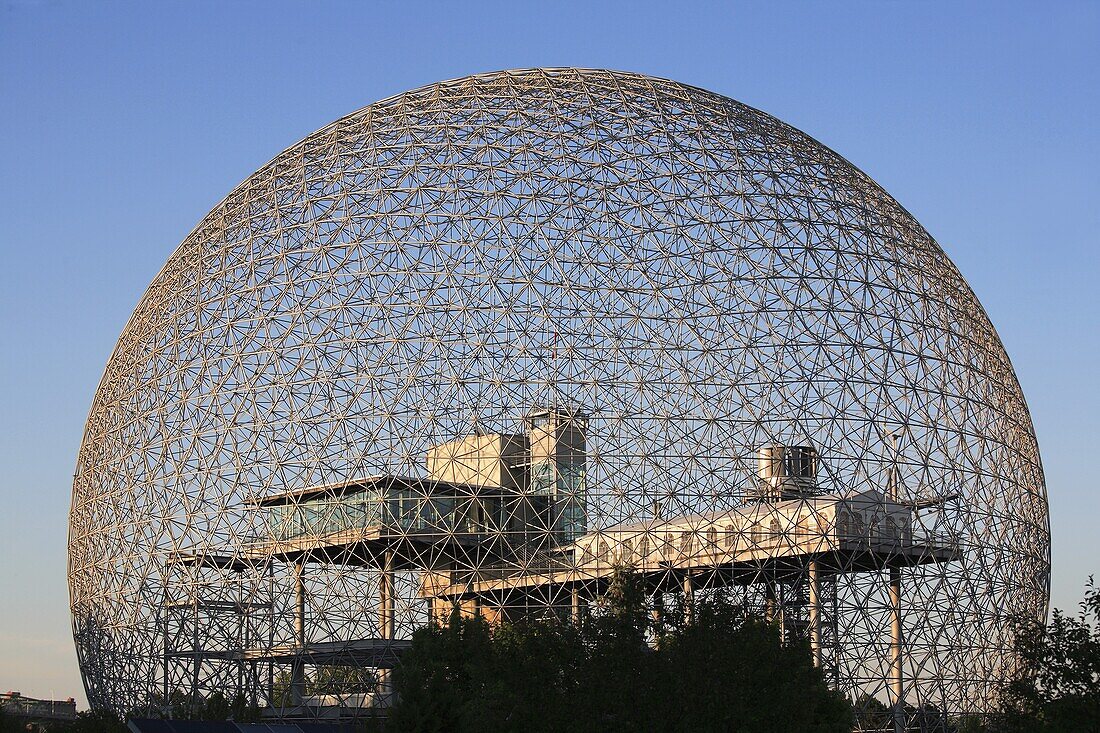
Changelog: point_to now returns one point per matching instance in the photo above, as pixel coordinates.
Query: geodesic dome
(367, 335)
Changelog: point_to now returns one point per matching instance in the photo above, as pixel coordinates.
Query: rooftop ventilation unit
(786, 472)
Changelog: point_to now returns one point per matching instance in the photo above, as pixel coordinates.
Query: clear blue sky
(122, 124)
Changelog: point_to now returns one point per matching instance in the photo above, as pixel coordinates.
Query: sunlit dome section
(480, 344)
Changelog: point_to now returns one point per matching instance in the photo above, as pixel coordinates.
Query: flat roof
(367, 483)
(335, 489)
(755, 508)
(197, 558)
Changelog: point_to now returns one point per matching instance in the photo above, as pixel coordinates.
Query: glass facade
(545, 508)
(396, 510)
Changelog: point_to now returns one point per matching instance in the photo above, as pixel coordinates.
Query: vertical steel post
(244, 618)
(165, 706)
(658, 610)
(815, 612)
(385, 597)
(897, 687)
(298, 668)
(689, 599)
(385, 618)
(896, 654)
(269, 570)
(197, 663)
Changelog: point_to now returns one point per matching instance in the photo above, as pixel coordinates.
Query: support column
(385, 598)
(689, 600)
(815, 612)
(897, 688)
(577, 604)
(244, 640)
(298, 667)
(385, 621)
(166, 611)
(197, 662)
(896, 654)
(658, 611)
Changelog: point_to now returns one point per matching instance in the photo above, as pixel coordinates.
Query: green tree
(530, 678)
(215, 707)
(442, 676)
(1059, 689)
(714, 669)
(341, 680)
(96, 721)
(243, 710)
(731, 672)
(618, 678)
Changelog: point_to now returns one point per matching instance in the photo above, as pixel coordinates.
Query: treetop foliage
(1059, 688)
(714, 668)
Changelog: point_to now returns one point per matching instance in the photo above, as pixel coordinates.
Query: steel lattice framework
(286, 468)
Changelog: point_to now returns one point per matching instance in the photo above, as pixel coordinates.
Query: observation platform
(377, 653)
(864, 532)
(467, 544)
(406, 523)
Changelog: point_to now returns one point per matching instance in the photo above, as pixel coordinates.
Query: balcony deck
(862, 533)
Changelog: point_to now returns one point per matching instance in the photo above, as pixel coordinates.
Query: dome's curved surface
(696, 277)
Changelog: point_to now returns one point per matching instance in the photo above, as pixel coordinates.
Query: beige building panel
(480, 460)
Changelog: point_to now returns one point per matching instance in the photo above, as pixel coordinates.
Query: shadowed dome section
(482, 342)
